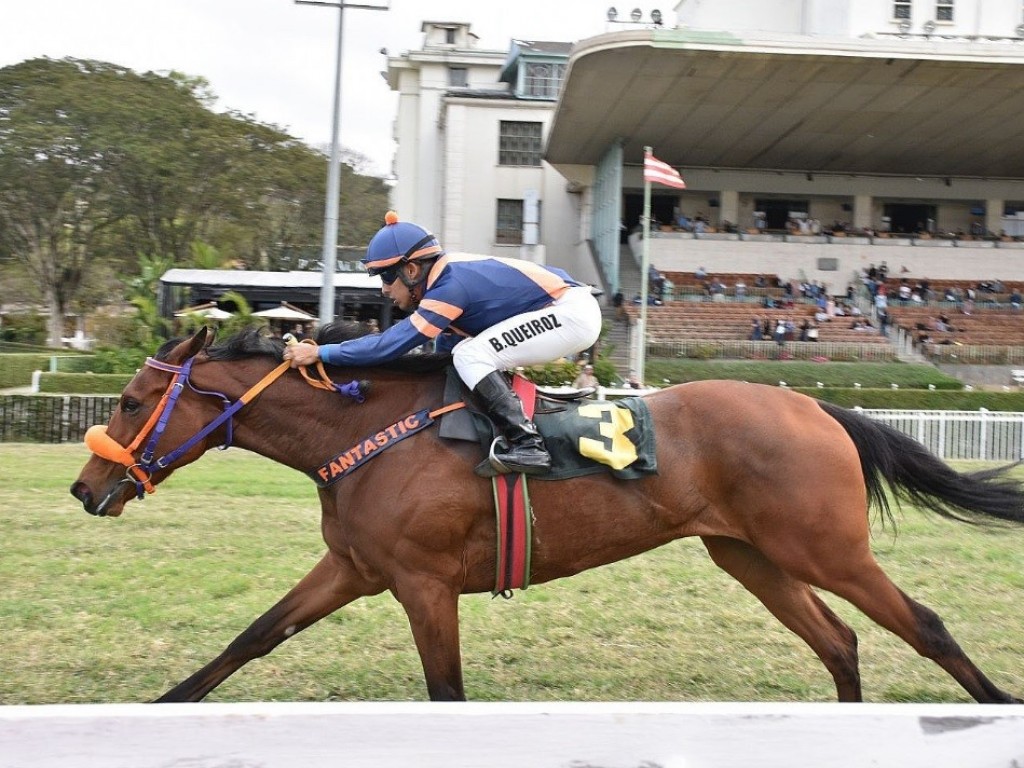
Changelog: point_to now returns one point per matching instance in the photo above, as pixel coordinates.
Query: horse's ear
(203, 338)
(191, 347)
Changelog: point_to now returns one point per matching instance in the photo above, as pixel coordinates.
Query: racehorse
(777, 485)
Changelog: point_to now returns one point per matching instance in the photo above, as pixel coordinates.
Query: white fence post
(984, 434)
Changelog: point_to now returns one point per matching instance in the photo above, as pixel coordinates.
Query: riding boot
(526, 451)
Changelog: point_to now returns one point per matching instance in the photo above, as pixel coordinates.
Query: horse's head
(122, 464)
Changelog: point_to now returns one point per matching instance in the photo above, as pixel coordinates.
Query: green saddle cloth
(590, 436)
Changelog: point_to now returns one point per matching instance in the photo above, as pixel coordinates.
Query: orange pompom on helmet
(395, 244)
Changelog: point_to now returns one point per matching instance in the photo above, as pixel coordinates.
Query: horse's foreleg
(433, 611)
(794, 604)
(332, 583)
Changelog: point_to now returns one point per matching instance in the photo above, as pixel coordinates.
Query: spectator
(619, 302)
(586, 378)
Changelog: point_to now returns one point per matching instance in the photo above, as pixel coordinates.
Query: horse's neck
(300, 426)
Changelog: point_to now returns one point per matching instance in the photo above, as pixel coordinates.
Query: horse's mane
(253, 342)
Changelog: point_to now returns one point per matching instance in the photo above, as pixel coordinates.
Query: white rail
(982, 435)
(539, 735)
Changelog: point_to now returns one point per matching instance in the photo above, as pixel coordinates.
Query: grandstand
(991, 333)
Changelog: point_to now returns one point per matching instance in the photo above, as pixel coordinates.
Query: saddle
(583, 436)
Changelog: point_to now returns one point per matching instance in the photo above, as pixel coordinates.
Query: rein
(141, 471)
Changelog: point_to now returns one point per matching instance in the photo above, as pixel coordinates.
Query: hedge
(84, 383)
(919, 399)
(16, 368)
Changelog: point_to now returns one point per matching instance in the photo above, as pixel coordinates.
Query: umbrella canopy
(285, 312)
(207, 311)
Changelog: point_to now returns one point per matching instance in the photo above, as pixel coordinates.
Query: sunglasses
(389, 275)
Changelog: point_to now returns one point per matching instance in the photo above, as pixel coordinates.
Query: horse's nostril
(81, 492)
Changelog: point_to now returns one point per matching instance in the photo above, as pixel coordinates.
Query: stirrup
(493, 466)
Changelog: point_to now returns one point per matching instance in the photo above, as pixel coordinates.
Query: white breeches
(568, 326)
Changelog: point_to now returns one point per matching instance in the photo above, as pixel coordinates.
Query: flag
(662, 173)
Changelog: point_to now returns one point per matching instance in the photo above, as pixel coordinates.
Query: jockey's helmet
(396, 243)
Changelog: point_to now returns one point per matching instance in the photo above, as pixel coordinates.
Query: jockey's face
(397, 291)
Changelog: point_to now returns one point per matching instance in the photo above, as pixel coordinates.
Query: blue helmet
(396, 243)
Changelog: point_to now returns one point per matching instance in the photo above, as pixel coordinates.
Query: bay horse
(776, 484)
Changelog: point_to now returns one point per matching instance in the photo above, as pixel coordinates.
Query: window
(449, 36)
(519, 143)
(543, 80)
(509, 230)
(901, 10)
(458, 77)
(944, 10)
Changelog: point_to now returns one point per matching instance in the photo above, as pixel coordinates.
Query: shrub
(552, 374)
(119, 359)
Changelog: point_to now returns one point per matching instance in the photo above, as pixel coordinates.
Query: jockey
(492, 313)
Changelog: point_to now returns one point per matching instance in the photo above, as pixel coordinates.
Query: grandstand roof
(917, 107)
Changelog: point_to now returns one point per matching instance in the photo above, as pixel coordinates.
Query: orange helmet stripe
(430, 250)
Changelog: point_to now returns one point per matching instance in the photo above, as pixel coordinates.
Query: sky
(274, 60)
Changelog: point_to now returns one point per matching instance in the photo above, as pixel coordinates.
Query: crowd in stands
(932, 311)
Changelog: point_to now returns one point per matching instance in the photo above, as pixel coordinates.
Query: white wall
(799, 260)
(782, 16)
(422, 156)
(848, 18)
(474, 181)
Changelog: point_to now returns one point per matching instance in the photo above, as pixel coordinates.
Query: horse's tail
(917, 476)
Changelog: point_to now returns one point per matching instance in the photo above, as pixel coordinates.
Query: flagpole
(641, 354)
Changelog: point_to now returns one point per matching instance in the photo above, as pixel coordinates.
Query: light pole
(329, 255)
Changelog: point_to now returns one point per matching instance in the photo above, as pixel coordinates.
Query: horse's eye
(130, 405)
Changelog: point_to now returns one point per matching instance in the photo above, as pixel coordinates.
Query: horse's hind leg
(794, 604)
(881, 600)
(332, 583)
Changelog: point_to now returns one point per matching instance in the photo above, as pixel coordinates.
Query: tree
(52, 204)
(99, 164)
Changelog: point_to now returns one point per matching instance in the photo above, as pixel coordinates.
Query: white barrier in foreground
(540, 735)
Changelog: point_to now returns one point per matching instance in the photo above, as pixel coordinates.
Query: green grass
(119, 610)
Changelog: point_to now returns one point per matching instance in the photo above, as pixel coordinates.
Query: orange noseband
(103, 445)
